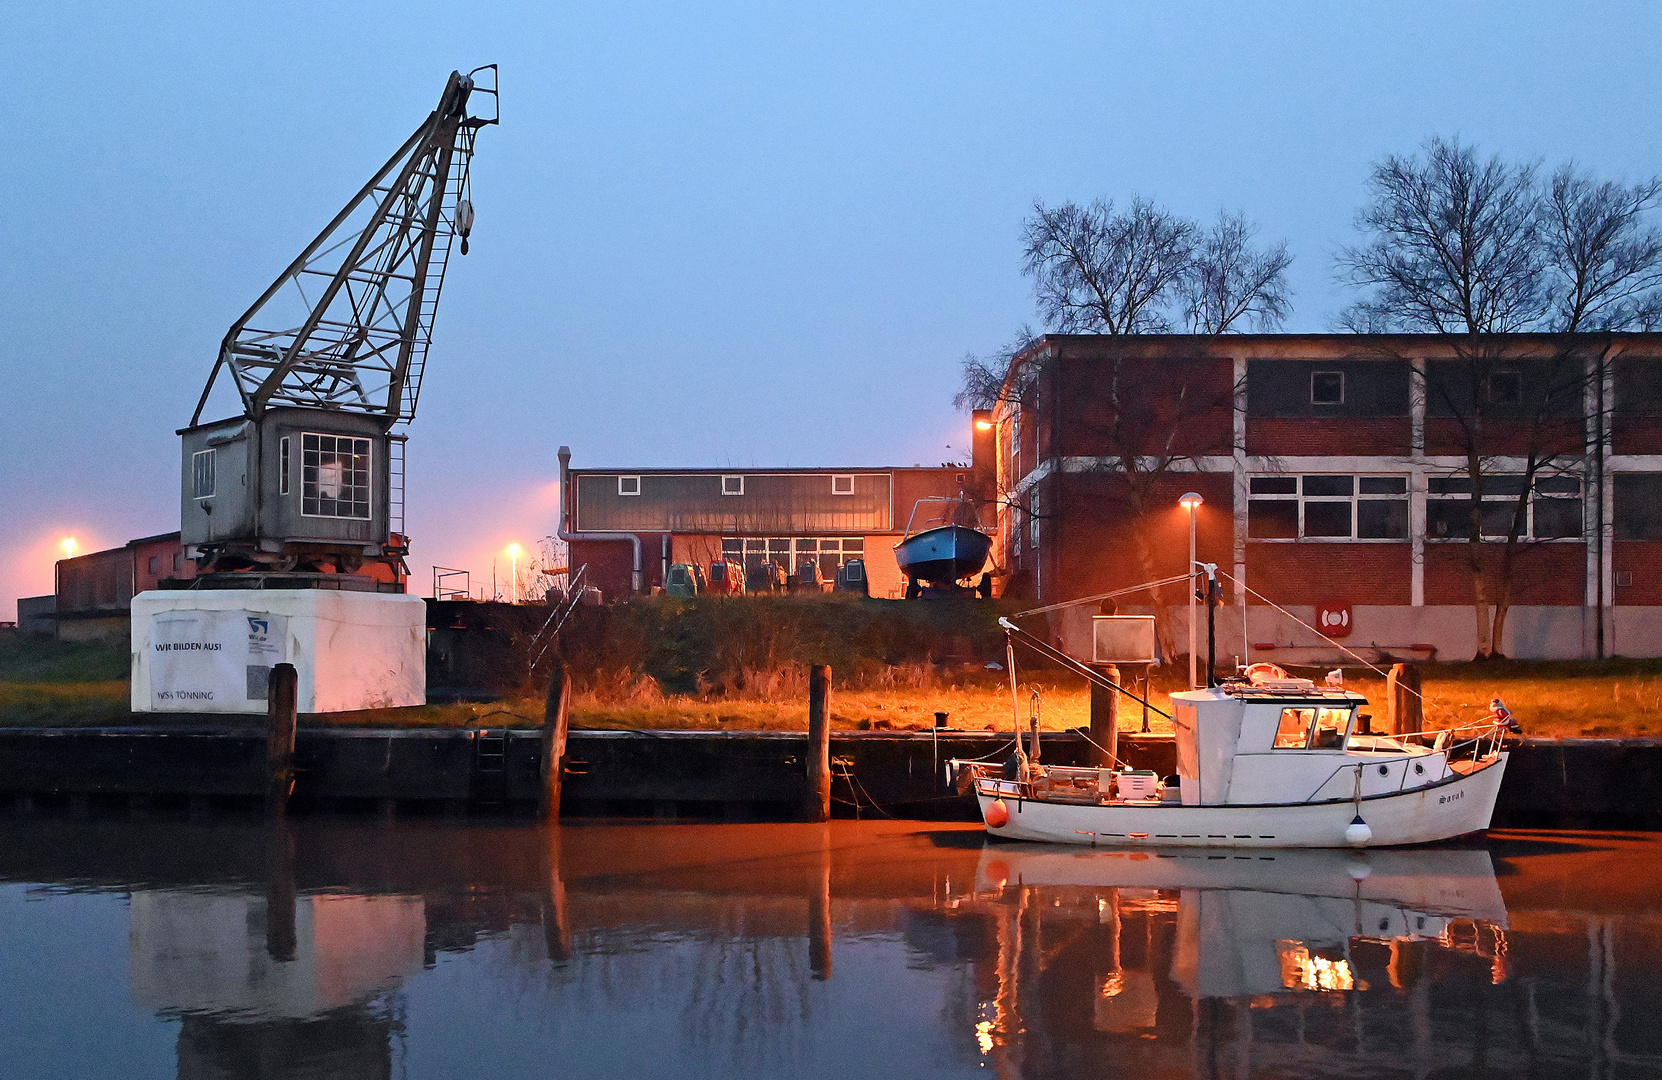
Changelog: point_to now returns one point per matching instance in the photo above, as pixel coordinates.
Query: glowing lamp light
(513, 580)
(983, 425)
(68, 546)
(1190, 500)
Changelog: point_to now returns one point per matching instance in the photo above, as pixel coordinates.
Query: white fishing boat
(1261, 763)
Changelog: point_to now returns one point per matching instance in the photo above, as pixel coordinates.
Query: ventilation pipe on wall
(567, 534)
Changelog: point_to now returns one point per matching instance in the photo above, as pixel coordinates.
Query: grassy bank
(734, 666)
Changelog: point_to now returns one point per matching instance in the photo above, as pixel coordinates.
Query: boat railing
(1465, 747)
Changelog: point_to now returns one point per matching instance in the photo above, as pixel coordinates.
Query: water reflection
(431, 949)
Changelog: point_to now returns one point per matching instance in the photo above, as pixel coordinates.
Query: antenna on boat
(1212, 600)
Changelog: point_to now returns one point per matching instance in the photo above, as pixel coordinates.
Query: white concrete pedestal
(212, 650)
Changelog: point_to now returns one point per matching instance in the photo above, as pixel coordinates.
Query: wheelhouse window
(202, 474)
(334, 476)
(1553, 510)
(1328, 507)
(1307, 728)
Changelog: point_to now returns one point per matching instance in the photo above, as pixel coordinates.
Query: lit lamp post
(69, 547)
(513, 578)
(1189, 502)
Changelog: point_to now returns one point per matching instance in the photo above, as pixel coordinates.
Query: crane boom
(348, 324)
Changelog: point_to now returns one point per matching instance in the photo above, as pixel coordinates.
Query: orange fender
(998, 815)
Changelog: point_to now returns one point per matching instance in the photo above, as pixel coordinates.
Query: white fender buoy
(1357, 833)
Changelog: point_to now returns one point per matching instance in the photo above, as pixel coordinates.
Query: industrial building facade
(1336, 473)
(628, 526)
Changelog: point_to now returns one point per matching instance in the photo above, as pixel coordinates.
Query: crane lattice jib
(348, 324)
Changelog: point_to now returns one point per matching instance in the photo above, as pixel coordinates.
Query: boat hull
(1454, 807)
(943, 555)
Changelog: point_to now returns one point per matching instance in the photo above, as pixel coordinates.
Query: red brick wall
(610, 562)
(1089, 546)
(1294, 437)
(1552, 573)
(1316, 573)
(1446, 436)
(910, 485)
(165, 552)
(1642, 559)
(1636, 434)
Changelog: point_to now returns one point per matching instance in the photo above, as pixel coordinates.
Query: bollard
(816, 799)
(282, 704)
(1105, 720)
(556, 719)
(1404, 710)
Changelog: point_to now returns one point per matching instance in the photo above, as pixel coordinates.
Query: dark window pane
(1557, 519)
(1329, 485)
(1505, 387)
(1448, 485)
(1327, 388)
(1275, 485)
(855, 545)
(1567, 485)
(1447, 519)
(1272, 519)
(1327, 518)
(1503, 484)
(1382, 519)
(1497, 517)
(1382, 485)
(1638, 506)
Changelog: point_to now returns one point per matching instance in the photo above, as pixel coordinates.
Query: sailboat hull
(1454, 807)
(943, 555)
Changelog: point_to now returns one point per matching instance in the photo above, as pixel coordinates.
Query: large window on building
(1328, 506)
(1552, 513)
(334, 476)
(790, 552)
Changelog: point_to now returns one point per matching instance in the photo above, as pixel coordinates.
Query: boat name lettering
(1441, 799)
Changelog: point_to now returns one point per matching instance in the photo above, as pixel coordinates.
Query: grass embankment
(741, 664)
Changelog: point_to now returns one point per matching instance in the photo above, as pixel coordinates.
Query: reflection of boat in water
(1270, 763)
(1266, 924)
(949, 550)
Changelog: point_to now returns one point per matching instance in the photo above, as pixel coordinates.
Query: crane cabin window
(202, 474)
(334, 476)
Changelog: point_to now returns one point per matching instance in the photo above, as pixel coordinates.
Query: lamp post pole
(1190, 501)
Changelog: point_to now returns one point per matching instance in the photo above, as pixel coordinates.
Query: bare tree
(1101, 272)
(1229, 281)
(1478, 250)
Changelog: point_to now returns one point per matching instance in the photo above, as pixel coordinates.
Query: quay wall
(1550, 783)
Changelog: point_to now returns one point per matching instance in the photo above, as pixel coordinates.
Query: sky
(725, 235)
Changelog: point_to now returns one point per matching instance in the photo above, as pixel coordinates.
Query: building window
(1033, 518)
(1327, 388)
(178, 561)
(628, 485)
(732, 485)
(1505, 387)
(283, 465)
(1553, 511)
(1328, 507)
(1638, 509)
(154, 563)
(842, 485)
(790, 552)
(202, 474)
(334, 476)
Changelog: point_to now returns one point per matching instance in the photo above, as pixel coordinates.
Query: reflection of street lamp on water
(513, 555)
(1189, 502)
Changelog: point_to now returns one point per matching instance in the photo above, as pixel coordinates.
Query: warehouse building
(1336, 478)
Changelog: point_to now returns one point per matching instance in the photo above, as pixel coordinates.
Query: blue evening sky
(715, 234)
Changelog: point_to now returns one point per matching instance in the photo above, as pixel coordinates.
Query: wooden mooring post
(282, 704)
(1404, 710)
(1105, 720)
(556, 720)
(816, 798)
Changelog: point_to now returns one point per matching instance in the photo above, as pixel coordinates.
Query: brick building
(630, 525)
(94, 591)
(1336, 473)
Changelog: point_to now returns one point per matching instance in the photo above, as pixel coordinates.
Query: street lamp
(1189, 501)
(69, 547)
(513, 579)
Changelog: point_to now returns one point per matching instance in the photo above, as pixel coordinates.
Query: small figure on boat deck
(1500, 714)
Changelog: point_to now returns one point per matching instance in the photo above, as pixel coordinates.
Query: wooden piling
(1404, 711)
(1105, 720)
(282, 704)
(819, 913)
(556, 721)
(816, 799)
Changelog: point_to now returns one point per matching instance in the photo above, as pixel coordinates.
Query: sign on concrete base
(212, 650)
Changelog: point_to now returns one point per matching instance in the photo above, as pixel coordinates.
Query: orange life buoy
(998, 815)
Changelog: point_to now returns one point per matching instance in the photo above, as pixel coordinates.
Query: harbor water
(167, 945)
